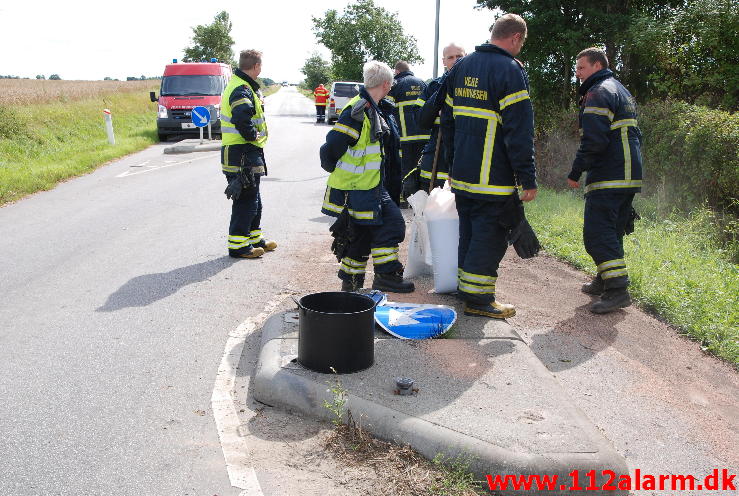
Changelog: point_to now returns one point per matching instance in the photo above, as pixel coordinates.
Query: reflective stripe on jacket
(242, 112)
(610, 142)
(356, 180)
(321, 95)
(488, 125)
(404, 94)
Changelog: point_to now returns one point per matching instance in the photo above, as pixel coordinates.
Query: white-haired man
(359, 150)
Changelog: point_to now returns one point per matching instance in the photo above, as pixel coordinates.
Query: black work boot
(393, 282)
(612, 299)
(354, 284)
(594, 287)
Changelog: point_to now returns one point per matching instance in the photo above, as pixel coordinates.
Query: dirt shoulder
(667, 407)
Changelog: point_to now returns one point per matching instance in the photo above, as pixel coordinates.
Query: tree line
(679, 49)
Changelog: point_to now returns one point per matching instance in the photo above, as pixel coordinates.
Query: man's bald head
(451, 53)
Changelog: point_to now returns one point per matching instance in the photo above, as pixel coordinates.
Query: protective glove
(633, 216)
(233, 190)
(518, 230)
(524, 240)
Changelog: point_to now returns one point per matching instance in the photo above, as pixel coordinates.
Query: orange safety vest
(321, 95)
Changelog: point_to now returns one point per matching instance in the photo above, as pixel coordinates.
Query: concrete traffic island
(193, 145)
(481, 393)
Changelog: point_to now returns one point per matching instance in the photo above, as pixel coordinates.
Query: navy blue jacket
(610, 143)
(344, 134)
(404, 95)
(442, 166)
(488, 125)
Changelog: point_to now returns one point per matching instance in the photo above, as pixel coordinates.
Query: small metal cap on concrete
(404, 385)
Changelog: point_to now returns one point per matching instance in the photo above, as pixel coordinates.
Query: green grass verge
(41, 145)
(677, 267)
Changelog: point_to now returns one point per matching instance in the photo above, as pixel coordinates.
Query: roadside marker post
(109, 126)
(201, 117)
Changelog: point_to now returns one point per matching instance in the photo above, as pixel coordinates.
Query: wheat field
(34, 91)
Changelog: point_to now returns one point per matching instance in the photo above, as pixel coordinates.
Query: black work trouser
(410, 156)
(606, 216)
(482, 244)
(381, 241)
(320, 113)
(246, 216)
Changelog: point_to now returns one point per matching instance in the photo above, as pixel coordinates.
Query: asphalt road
(117, 296)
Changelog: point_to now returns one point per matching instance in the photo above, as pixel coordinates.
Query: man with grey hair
(359, 150)
(449, 56)
(488, 126)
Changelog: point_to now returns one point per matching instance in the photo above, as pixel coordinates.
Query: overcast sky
(85, 39)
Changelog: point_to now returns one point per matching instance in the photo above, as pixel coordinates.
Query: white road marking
(157, 167)
(233, 444)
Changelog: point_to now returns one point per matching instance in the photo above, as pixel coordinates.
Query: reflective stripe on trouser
(381, 241)
(246, 215)
(476, 284)
(482, 245)
(352, 267)
(606, 216)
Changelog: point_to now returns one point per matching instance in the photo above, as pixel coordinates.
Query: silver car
(341, 93)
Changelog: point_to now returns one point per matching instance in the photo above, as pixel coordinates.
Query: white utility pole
(436, 41)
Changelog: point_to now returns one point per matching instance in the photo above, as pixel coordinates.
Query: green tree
(316, 71)
(559, 29)
(212, 41)
(691, 55)
(55, 77)
(363, 32)
(40, 76)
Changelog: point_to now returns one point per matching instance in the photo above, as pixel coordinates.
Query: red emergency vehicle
(187, 85)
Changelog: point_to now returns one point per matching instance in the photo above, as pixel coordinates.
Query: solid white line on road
(157, 167)
(234, 446)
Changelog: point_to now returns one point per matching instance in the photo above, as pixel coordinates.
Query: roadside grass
(678, 268)
(43, 144)
(306, 93)
(270, 90)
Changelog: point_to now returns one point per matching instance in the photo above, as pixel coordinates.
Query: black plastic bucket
(336, 332)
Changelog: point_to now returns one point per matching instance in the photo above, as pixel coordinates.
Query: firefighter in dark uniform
(359, 149)
(404, 94)
(488, 128)
(610, 152)
(450, 55)
(244, 134)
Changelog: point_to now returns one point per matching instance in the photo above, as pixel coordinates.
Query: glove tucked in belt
(244, 179)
